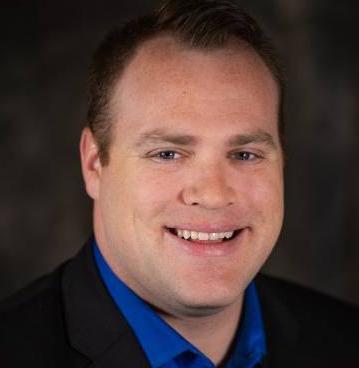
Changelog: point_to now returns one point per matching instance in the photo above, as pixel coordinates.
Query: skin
(214, 116)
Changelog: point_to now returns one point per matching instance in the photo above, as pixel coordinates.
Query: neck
(212, 334)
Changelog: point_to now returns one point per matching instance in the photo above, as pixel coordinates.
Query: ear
(90, 163)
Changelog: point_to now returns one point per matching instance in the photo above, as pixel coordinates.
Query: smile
(193, 235)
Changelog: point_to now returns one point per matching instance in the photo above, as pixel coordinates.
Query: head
(199, 24)
(185, 139)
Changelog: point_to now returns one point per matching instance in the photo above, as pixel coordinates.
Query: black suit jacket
(67, 319)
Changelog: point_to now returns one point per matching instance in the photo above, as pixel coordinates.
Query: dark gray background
(45, 215)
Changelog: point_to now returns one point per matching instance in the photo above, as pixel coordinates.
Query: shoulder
(32, 327)
(40, 298)
(305, 302)
(66, 319)
(40, 291)
(318, 328)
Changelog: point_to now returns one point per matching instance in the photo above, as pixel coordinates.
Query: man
(183, 158)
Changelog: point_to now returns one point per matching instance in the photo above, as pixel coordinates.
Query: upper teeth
(194, 235)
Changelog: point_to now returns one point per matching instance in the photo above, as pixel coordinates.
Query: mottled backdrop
(45, 215)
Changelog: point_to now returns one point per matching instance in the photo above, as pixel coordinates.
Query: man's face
(195, 152)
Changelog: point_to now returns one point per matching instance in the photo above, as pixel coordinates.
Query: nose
(209, 188)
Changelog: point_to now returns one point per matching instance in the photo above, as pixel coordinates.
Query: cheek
(115, 199)
(265, 189)
(152, 192)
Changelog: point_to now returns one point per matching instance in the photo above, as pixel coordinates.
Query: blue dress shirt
(166, 348)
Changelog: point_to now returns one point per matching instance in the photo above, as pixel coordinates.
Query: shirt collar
(250, 345)
(150, 328)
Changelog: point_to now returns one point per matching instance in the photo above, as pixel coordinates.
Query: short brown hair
(201, 24)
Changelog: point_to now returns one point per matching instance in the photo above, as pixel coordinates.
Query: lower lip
(208, 248)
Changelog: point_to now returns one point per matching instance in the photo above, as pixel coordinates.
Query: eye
(244, 156)
(167, 155)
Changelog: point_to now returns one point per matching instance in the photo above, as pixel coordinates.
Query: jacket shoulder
(38, 291)
(32, 327)
(318, 328)
(305, 301)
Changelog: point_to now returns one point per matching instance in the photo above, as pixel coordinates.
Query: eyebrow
(161, 136)
(259, 136)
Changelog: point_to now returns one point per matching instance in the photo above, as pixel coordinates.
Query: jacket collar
(95, 327)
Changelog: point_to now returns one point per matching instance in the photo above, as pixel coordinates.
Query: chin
(201, 310)
(206, 303)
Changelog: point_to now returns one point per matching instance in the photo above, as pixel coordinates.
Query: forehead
(166, 80)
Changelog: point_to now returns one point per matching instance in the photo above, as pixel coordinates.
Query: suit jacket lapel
(95, 326)
(281, 327)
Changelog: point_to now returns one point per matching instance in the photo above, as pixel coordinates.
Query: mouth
(193, 236)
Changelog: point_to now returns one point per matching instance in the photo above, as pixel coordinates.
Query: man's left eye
(244, 156)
